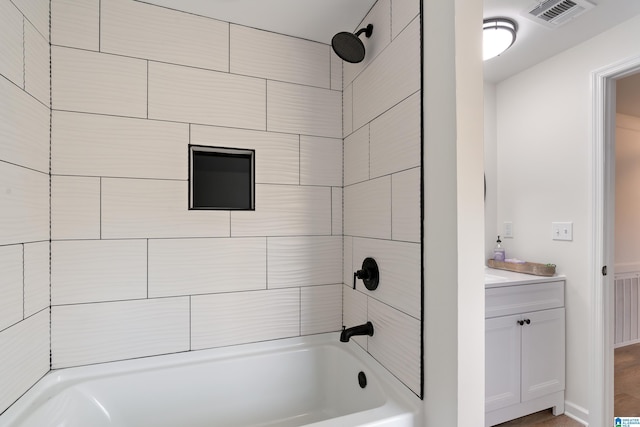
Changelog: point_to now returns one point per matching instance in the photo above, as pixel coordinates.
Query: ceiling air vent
(553, 13)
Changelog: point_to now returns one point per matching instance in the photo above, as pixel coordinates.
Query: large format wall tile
(396, 343)
(141, 30)
(25, 357)
(354, 311)
(402, 12)
(11, 285)
(24, 198)
(95, 145)
(320, 309)
(400, 272)
(380, 18)
(336, 72)
(98, 270)
(24, 128)
(405, 205)
(76, 23)
(147, 208)
(37, 12)
(277, 57)
(320, 161)
(303, 261)
(305, 110)
(243, 317)
(11, 53)
(75, 207)
(94, 333)
(347, 110)
(367, 209)
(98, 83)
(194, 95)
(356, 156)
(392, 77)
(36, 64)
(336, 211)
(285, 210)
(201, 266)
(395, 138)
(277, 154)
(348, 266)
(36, 277)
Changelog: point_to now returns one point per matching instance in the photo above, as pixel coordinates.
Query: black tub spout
(366, 329)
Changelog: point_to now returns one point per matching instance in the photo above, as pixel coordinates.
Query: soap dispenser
(498, 252)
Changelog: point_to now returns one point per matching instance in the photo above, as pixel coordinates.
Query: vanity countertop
(494, 278)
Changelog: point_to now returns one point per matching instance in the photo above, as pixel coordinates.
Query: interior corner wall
(24, 196)
(544, 144)
(134, 271)
(491, 227)
(382, 188)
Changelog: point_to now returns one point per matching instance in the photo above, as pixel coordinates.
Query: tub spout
(347, 333)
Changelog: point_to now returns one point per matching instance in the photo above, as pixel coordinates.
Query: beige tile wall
(382, 188)
(24, 196)
(133, 272)
(133, 85)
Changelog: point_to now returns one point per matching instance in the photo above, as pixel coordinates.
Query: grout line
(391, 203)
(23, 167)
(50, 195)
(190, 327)
(100, 209)
(299, 160)
(300, 311)
(99, 25)
(147, 268)
(24, 55)
(23, 284)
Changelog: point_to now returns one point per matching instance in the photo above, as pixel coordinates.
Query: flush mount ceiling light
(498, 34)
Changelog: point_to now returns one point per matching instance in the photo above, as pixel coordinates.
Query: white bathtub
(308, 381)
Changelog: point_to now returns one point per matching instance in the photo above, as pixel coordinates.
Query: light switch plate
(508, 229)
(562, 231)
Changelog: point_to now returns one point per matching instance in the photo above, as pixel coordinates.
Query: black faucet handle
(369, 274)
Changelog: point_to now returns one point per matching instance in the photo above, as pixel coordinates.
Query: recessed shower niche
(221, 178)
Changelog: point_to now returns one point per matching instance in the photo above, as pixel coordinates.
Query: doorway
(603, 249)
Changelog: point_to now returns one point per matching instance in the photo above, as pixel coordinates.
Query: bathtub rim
(397, 395)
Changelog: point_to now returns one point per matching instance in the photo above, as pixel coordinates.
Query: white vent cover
(553, 13)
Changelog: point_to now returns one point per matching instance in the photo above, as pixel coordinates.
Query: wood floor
(626, 390)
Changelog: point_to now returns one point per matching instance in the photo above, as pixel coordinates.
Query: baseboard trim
(576, 412)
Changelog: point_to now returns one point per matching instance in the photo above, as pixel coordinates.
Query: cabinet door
(543, 343)
(502, 362)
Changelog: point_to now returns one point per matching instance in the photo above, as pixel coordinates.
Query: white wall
(627, 238)
(491, 227)
(544, 169)
(24, 196)
(134, 272)
(381, 116)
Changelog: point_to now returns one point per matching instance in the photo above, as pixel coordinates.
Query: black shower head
(348, 46)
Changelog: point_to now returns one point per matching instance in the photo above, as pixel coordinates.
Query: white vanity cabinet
(524, 347)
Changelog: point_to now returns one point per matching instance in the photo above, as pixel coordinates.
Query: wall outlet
(508, 229)
(562, 231)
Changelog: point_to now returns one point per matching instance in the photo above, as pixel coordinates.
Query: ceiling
(319, 20)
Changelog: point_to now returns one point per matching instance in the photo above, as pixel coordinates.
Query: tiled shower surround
(132, 271)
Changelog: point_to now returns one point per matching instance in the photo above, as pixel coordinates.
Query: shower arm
(368, 30)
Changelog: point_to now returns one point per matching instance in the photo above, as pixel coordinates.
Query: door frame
(603, 85)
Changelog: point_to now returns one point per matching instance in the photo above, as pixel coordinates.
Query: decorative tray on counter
(526, 267)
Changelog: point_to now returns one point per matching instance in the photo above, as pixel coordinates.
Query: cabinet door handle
(527, 321)
(520, 322)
